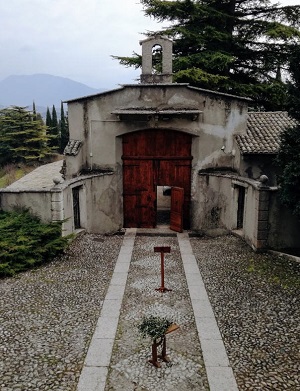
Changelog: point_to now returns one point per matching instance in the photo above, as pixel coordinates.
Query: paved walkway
(117, 358)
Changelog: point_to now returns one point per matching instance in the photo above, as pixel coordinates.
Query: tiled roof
(263, 130)
(73, 147)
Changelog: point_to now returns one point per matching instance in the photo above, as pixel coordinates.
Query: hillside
(45, 90)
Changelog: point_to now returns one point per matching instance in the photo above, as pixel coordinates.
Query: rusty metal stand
(154, 360)
(163, 356)
(162, 251)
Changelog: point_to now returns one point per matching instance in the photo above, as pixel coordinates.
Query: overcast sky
(73, 38)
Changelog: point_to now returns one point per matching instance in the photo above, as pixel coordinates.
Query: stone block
(262, 235)
(221, 379)
(262, 225)
(261, 244)
(263, 215)
(92, 379)
(57, 197)
(214, 353)
(207, 328)
(264, 196)
(263, 205)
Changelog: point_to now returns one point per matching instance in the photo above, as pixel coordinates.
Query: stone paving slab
(116, 344)
(129, 367)
(212, 346)
(97, 361)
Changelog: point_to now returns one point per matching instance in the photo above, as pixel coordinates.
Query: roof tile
(263, 132)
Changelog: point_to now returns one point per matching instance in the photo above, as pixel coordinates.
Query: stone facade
(229, 188)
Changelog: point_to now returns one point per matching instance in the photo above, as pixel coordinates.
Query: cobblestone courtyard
(48, 316)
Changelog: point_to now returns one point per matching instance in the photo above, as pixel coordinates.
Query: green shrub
(154, 327)
(25, 242)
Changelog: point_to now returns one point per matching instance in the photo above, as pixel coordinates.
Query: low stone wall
(38, 203)
(215, 205)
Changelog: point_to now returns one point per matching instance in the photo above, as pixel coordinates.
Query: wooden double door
(152, 158)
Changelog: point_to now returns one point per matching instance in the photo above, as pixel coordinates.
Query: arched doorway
(151, 158)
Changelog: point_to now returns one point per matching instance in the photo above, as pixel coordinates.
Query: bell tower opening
(156, 60)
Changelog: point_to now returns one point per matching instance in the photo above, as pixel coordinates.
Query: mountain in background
(45, 90)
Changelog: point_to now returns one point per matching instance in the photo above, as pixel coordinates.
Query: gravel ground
(48, 315)
(130, 369)
(255, 298)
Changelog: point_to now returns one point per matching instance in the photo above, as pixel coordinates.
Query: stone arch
(147, 46)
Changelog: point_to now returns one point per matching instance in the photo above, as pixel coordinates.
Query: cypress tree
(48, 118)
(64, 131)
(52, 129)
(55, 129)
(34, 111)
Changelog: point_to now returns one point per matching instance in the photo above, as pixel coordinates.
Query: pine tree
(23, 138)
(233, 46)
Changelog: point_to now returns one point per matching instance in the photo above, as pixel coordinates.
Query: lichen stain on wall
(107, 202)
(213, 205)
(85, 119)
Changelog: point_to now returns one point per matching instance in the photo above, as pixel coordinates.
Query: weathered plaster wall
(211, 203)
(93, 120)
(250, 216)
(38, 203)
(79, 124)
(215, 205)
(100, 203)
(101, 121)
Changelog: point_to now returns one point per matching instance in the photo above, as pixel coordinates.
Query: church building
(161, 151)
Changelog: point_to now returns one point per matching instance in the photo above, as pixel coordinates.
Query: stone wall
(95, 120)
(37, 202)
(215, 205)
(100, 203)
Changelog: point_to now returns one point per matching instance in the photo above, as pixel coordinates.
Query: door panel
(154, 157)
(139, 195)
(177, 173)
(176, 217)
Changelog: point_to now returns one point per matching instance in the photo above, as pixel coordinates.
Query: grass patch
(25, 242)
(277, 270)
(12, 172)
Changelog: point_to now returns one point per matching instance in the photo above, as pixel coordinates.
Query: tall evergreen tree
(233, 46)
(288, 159)
(23, 138)
(53, 129)
(64, 129)
(48, 118)
(34, 115)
